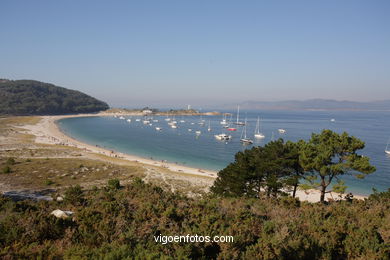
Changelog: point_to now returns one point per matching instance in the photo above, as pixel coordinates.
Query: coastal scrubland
(120, 223)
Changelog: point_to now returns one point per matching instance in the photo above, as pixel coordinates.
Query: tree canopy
(329, 155)
(267, 168)
(29, 97)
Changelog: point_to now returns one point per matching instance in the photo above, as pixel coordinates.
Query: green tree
(329, 155)
(259, 169)
(294, 169)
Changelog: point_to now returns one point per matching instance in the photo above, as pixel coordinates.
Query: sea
(185, 147)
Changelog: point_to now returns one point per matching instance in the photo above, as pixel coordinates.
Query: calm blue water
(184, 147)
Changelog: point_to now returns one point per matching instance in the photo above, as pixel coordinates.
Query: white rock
(59, 198)
(61, 213)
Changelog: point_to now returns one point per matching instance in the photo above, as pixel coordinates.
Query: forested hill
(30, 97)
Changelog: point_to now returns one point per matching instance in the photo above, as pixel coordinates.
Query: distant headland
(30, 97)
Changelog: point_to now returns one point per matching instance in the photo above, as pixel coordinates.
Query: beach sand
(46, 131)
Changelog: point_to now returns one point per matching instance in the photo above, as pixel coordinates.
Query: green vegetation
(278, 166)
(7, 169)
(118, 224)
(114, 184)
(29, 97)
(330, 155)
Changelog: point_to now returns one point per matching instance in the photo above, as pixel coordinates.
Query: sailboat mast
(238, 112)
(245, 129)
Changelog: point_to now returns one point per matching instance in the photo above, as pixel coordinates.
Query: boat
(244, 139)
(198, 132)
(121, 117)
(223, 122)
(223, 137)
(129, 120)
(155, 120)
(174, 126)
(146, 122)
(158, 128)
(209, 128)
(257, 130)
(232, 129)
(238, 117)
(182, 121)
(201, 122)
(189, 130)
(137, 120)
(332, 120)
(387, 147)
(281, 131)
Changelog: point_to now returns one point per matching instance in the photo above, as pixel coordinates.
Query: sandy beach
(46, 131)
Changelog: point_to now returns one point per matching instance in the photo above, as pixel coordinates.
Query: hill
(30, 97)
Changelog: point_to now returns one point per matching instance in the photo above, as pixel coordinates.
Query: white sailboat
(244, 139)
(209, 128)
(387, 150)
(223, 122)
(238, 117)
(258, 134)
(201, 122)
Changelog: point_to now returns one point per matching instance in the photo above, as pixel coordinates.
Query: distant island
(315, 104)
(30, 97)
(154, 111)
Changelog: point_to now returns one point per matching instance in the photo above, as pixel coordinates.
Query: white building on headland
(147, 111)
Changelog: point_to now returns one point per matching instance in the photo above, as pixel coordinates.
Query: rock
(61, 213)
(59, 198)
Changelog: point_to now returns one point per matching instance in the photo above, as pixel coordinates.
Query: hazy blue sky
(200, 52)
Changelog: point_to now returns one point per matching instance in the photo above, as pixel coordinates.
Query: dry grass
(35, 174)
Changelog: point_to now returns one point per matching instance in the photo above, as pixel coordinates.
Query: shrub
(49, 182)
(74, 195)
(10, 161)
(7, 169)
(113, 184)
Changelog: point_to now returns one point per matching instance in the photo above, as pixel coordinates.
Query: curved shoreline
(48, 132)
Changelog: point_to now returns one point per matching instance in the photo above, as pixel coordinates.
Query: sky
(174, 53)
